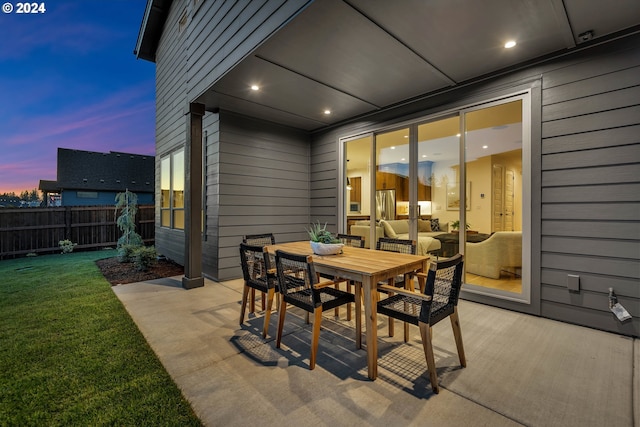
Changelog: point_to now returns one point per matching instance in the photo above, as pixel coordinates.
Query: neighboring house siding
(585, 169)
(226, 32)
(591, 189)
(263, 186)
(70, 198)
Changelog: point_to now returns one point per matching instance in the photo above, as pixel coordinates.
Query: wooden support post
(193, 199)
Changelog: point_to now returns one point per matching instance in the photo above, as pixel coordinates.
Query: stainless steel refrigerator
(385, 204)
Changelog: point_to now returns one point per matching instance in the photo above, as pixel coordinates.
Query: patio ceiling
(354, 57)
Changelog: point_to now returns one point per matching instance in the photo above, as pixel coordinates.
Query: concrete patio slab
(521, 370)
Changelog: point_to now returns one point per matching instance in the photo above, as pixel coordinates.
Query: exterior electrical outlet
(573, 282)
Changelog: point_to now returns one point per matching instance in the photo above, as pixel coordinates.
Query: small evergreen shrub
(126, 252)
(144, 257)
(66, 246)
(127, 204)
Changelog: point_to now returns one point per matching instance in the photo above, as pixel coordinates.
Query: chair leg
(267, 314)
(337, 286)
(349, 305)
(252, 308)
(245, 293)
(283, 312)
(263, 300)
(391, 322)
(425, 332)
(457, 334)
(391, 328)
(317, 319)
(358, 315)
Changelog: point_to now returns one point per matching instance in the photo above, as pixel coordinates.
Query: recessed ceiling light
(424, 156)
(393, 147)
(327, 112)
(406, 136)
(510, 44)
(402, 159)
(255, 87)
(485, 147)
(458, 135)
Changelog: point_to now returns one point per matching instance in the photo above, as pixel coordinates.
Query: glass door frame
(525, 95)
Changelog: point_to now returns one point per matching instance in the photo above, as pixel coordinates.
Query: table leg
(371, 325)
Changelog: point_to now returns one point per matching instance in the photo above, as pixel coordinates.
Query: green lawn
(71, 355)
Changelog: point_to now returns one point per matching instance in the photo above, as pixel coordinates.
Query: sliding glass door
(494, 215)
(455, 183)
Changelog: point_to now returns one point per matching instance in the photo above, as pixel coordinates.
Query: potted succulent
(322, 241)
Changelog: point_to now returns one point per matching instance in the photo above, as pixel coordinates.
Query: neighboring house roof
(153, 21)
(49, 186)
(94, 171)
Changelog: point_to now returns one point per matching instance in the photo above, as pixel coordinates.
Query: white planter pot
(326, 248)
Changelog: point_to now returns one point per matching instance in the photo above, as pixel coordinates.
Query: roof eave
(155, 15)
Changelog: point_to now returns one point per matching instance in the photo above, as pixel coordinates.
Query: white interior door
(509, 196)
(498, 198)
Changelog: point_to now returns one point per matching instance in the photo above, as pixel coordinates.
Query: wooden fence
(38, 230)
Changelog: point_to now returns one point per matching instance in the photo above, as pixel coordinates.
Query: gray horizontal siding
(171, 99)
(591, 189)
(595, 139)
(263, 185)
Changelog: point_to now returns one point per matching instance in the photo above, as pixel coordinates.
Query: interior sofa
(501, 251)
(399, 229)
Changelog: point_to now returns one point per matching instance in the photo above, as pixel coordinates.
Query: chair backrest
(351, 240)
(296, 277)
(261, 240)
(396, 245)
(256, 264)
(444, 281)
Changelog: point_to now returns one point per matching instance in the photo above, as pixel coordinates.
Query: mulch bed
(120, 273)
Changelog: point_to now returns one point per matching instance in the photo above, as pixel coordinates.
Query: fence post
(67, 222)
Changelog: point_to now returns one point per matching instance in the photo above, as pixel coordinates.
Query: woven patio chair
(258, 274)
(351, 240)
(300, 286)
(439, 301)
(261, 240)
(356, 242)
(402, 246)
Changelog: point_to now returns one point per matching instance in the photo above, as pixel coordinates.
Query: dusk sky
(69, 78)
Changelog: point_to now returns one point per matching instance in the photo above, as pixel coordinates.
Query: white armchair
(487, 258)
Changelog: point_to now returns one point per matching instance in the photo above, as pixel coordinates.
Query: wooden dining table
(366, 267)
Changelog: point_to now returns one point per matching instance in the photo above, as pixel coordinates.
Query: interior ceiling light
(327, 112)
(510, 44)
(424, 156)
(485, 147)
(255, 87)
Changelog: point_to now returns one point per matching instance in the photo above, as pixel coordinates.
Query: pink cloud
(89, 120)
